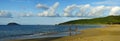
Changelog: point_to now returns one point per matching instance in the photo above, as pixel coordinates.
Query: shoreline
(92, 34)
(107, 33)
(38, 39)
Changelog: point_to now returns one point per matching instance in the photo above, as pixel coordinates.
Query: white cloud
(28, 14)
(82, 10)
(44, 13)
(92, 11)
(66, 14)
(51, 11)
(68, 9)
(97, 11)
(41, 6)
(115, 11)
(6, 14)
(86, 10)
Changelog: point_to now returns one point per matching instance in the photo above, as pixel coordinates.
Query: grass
(101, 20)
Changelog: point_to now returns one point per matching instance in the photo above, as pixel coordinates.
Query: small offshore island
(108, 33)
(12, 23)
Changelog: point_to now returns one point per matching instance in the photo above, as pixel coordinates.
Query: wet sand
(39, 39)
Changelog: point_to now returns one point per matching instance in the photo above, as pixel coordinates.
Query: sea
(13, 32)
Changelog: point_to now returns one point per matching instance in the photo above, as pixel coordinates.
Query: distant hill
(102, 20)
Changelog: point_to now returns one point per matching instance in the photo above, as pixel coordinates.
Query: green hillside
(102, 20)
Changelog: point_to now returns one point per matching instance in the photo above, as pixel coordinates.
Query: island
(12, 23)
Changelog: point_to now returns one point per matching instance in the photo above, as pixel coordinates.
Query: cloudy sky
(50, 12)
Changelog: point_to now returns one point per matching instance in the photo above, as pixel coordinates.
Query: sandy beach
(108, 33)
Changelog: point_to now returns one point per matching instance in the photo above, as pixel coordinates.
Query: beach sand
(108, 33)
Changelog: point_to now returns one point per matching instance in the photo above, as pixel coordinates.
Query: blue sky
(50, 12)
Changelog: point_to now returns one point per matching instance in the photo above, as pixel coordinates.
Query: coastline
(38, 39)
(107, 33)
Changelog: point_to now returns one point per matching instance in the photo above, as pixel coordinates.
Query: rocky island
(13, 23)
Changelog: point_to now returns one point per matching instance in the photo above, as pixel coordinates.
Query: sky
(51, 12)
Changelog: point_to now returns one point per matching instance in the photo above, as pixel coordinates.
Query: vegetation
(103, 20)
